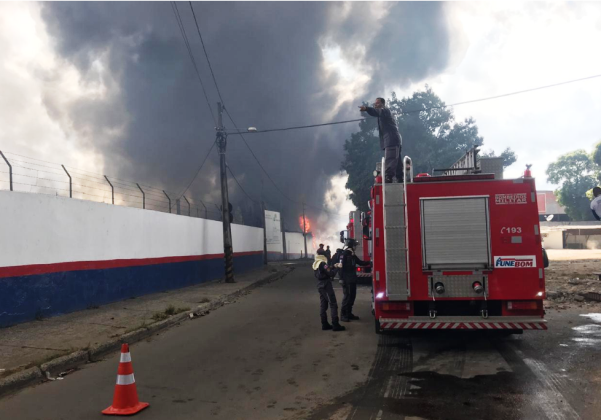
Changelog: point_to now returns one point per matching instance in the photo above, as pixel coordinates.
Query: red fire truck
(460, 250)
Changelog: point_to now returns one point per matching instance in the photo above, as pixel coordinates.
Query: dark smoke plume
(269, 64)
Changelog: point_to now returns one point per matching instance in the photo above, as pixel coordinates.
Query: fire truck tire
(507, 333)
(378, 329)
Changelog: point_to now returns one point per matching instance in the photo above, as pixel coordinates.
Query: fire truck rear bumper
(458, 323)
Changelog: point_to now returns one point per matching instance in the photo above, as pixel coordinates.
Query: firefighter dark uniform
(349, 284)
(390, 141)
(327, 297)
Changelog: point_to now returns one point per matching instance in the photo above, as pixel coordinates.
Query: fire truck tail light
(358, 269)
(522, 305)
(396, 306)
(478, 287)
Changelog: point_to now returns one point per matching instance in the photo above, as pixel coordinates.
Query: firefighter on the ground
(320, 250)
(328, 255)
(390, 139)
(596, 203)
(324, 274)
(349, 263)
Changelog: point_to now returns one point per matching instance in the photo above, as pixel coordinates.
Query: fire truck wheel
(378, 330)
(507, 333)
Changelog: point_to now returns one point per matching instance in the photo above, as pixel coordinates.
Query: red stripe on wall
(28, 270)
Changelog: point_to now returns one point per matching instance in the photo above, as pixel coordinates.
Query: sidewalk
(28, 351)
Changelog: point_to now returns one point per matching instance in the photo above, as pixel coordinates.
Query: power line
(187, 42)
(234, 176)
(206, 55)
(267, 174)
(428, 109)
(198, 171)
(230, 117)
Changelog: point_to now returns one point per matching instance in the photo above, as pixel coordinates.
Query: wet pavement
(265, 357)
(482, 375)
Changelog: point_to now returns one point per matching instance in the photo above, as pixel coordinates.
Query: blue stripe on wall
(25, 298)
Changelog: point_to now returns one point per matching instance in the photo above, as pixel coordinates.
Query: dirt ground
(570, 276)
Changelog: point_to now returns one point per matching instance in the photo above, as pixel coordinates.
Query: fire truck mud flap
(449, 323)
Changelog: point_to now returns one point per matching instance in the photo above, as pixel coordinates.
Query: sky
(110, 88)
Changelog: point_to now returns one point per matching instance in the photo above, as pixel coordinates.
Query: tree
(576, 173)
(508, 155)
(431, 137)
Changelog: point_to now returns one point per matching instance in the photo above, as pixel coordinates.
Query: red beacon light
(423, 174)
(527, 173)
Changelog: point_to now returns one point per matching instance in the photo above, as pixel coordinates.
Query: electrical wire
(205, 51)
(234, 176)
(230, 117)
(187, 42)
(428, 108)
(198, 171)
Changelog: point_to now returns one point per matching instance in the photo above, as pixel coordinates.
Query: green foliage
(575, 172)
(597, 154)
(508, 155)
(433, 139)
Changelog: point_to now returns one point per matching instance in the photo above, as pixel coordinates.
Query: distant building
(549, 209)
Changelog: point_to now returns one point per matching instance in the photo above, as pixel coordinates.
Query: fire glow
(306, 225)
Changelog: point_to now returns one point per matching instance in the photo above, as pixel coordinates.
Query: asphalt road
(265, 357)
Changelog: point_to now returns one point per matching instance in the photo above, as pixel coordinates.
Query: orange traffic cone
(125, 400)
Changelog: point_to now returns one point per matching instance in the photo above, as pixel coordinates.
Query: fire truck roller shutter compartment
(455, 233)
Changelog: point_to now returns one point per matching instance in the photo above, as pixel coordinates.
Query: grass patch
(204, 300)
(169, 311)
(132, 329)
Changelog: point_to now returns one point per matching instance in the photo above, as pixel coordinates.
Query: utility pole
(227, 230)
(305, 229)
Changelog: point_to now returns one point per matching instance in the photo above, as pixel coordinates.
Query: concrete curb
(63, 363)
(20, 380)
(52, 368)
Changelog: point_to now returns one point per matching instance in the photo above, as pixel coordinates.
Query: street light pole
(227, 230)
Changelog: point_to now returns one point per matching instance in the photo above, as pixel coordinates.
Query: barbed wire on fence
(27, 174)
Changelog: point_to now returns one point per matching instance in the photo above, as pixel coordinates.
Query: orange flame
(304, 224)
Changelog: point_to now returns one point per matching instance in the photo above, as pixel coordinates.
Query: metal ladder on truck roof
(395, 236)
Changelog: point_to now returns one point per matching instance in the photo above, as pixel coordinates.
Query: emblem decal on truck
(510, 198)
(520, 261)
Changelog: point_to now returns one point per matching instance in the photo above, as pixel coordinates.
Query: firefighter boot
(325, 325)
(353, 317)
(337, 327)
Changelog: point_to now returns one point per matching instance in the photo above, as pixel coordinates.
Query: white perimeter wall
(553, 239)
(295, 243)
(44, 229)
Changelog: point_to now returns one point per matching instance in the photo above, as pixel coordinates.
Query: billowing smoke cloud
(273, 62)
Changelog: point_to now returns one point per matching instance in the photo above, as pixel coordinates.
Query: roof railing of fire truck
(407, 163)
(456, 169)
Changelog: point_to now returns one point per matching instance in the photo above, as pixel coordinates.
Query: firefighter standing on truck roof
(324, 274)
(390, 139)
(349, 263)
